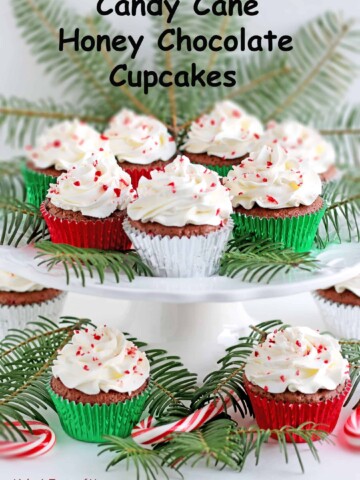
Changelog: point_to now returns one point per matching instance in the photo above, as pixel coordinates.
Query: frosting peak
(227, 131)
(182, 194)
(64, 145)
(101, 360)
(139, 139)
(9, 282)
(272, 178)
(297, 359)
(303, 142)
(96, 187)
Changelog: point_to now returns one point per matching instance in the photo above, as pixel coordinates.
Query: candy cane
(147, 433)
(34, 447)
(352, 428)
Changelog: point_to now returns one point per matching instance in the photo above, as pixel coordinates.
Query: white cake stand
(166, 311)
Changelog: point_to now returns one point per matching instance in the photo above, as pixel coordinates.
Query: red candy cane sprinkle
(117, 192)
(77, 184)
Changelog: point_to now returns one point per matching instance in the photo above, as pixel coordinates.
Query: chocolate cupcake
(276, 196)
(100, 385)
(87, 205)
(340, 308)
(140, 143)
(23, 301)
(306, 143)
(296, 376)
(180, 223)
(222, 138)
(56, 151)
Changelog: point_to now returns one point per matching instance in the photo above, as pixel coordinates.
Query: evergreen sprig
(20, 222)
(24, 120)
(350, 350)
(25, 358)
(11, 180)
(341, 219)
(88, 262)
(262, 260)
(220, 444)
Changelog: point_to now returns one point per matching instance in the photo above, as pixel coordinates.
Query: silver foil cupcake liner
(198, 256)
(341, 320)
(17, 316)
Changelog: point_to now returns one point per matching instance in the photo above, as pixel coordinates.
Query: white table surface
(71, 460)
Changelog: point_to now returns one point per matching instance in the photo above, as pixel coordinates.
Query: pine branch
(85, 261)
(25, 358)
(351, 351)
(341, 219)
(11, 180)
(220, 443)
(342, 128)
(24, 120)
(262, 261)
(322, 76)
(173, 385)
(20, 222)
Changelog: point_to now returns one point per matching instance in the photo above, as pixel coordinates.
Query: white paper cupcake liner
(198, 256)
(341, 320)
(18, 316)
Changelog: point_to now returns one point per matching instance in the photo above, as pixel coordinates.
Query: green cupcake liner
(222, 170)
(37, 185)
(90, 423)
(297, 233)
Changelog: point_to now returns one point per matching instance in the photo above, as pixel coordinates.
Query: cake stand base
(199, 332)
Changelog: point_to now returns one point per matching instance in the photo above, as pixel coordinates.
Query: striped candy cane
(147, 433)
(352, 428)
(35, 447)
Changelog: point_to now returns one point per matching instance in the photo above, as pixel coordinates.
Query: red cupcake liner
(136, 173)
(270, 414)
(106, 234)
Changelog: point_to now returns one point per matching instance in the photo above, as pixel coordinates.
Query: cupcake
(99, 385)
(340, 308)
(87, 205)
(306, 143)
(296, 376)
(57, 150)
(22, 301)
(276, 196)
(180, 223)
(140, 143)
(222, 138)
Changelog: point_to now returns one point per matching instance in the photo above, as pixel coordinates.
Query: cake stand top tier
(338, 263)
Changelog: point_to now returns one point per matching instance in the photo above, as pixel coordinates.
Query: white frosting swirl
(64, 145)
(227, 132)
(139, 139)
(297, 359)
(272, 178)
(182, 194)
(96, 187)
(9, 282)
(101, 360)
(303, 142)
(352, 285)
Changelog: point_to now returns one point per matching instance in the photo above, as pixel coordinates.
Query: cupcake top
(96, 187)
(272, 178)
(101, 360)
(64, 145)
(302, 141)
(139, 139)
(9, 282)
(352, 285)
(182, 194)
(227, 132)
(297, 359)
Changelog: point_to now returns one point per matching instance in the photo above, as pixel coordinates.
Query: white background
(74, 461)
